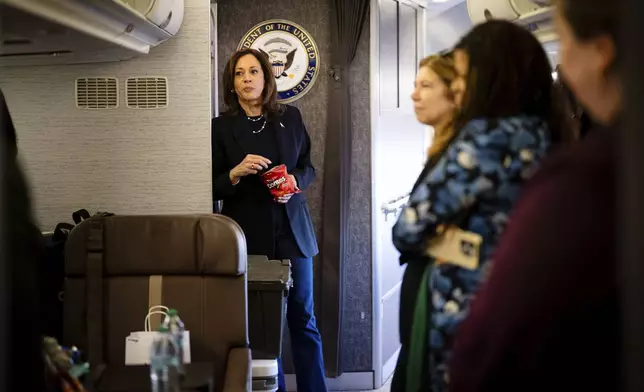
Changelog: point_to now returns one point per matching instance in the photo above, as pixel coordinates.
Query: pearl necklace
(260, 118)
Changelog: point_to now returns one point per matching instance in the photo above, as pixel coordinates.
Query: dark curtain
(631, 194)
(347, 20)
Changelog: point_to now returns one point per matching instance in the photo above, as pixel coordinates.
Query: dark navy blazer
(249, 202)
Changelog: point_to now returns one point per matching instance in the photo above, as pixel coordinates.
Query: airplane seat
(117, 267)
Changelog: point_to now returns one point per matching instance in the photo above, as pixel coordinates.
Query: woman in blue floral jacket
(508, 121)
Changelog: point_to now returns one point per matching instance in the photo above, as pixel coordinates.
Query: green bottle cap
(172, 312)
(163, 328)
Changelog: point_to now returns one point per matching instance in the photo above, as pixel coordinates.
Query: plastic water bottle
(177, 329)
(164, 361)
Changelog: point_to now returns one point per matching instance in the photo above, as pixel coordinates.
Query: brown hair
(593, 18)
(443, 66)
(270, 107)
(510, 75)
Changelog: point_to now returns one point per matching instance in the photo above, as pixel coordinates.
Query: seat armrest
(238, 371)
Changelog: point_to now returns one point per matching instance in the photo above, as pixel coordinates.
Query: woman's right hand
(251, 164)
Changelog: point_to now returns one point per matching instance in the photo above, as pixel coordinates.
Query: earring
(232, 91)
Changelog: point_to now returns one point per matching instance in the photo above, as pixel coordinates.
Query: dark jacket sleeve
(222, 187)
(304, 171)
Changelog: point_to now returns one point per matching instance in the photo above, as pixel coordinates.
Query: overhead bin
(36, 32)
(536, 15)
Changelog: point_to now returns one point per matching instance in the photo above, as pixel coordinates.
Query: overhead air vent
(97, 93)
(146, 93)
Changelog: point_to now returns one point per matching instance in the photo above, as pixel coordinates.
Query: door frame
(214, 73)
(382, 370)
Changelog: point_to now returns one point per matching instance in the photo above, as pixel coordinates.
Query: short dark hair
(593, 18)
(270, 106)
(509, 75)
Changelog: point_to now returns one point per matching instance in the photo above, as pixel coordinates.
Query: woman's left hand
(284, 199)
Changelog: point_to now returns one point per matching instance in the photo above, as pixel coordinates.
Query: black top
(264, 222)
(259, 139)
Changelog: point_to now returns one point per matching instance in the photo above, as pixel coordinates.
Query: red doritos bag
(279, 183)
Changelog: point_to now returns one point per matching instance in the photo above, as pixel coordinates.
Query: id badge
(456, 247)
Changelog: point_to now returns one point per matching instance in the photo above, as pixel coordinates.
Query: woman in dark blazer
(255, 135)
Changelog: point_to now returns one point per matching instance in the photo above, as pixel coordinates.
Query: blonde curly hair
(443, 66)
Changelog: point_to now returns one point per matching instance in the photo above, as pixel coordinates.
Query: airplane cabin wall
(445, 29)
(126, 161)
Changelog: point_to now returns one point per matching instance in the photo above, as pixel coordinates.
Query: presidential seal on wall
(292, 53)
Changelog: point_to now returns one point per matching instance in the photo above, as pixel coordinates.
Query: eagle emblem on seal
(280, 53)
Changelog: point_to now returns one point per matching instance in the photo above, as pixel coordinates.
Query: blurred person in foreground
(22, 249)
(548, 317)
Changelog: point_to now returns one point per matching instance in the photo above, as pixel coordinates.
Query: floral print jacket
(474, 185)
